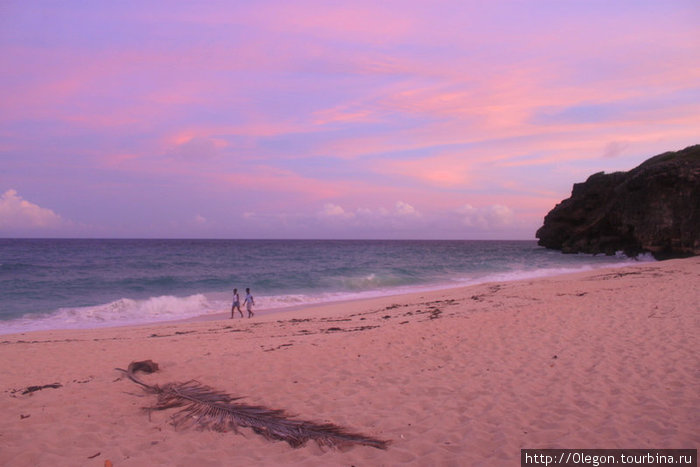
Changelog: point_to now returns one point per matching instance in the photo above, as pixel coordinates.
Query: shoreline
(348, 298)
(604, 358)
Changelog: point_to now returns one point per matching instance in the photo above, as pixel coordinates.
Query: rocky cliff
(654, 207)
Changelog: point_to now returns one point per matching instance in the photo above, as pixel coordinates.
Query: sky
(330, 119)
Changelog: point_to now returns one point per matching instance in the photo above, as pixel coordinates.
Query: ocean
(90, 283)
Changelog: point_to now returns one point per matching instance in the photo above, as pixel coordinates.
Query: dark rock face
(652, 208)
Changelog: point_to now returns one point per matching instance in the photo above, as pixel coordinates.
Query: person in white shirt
(249, 302)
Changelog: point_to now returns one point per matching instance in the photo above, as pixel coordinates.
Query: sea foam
(120, 312)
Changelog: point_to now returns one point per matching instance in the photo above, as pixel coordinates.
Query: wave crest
(120, 312)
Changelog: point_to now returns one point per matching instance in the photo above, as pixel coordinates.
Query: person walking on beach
(236, 303)
(249, 302)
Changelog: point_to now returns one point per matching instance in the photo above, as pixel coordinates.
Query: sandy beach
(463, 377)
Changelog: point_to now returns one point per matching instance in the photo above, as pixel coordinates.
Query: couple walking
(249, 302)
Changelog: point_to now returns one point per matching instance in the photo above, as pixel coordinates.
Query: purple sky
(329, 119)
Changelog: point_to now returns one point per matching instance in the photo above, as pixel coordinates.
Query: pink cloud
(438, 105)
(334, 211)
(344, 114)
(443, 171)
(17, 213)
(250, 129)
(367, 23)
(488, 217)
(274, 180)
(402, 216)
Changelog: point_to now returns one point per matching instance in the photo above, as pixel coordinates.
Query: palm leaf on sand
(208, 408)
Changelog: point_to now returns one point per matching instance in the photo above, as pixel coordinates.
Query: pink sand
(463, 377)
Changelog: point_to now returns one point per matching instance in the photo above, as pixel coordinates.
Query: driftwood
(208, 408)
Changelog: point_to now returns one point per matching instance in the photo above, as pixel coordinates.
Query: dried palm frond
(205, 407)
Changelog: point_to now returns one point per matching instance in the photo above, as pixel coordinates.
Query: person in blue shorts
(236, 303)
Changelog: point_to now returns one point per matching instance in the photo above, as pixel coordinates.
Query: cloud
(17, 213)
(277, 109)
(489, 217)
(331, 210)
(405, 210)
(198, 148)
(615, 148)
(269, 180)
(344, 114)
(440, 171)
(367, 216)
